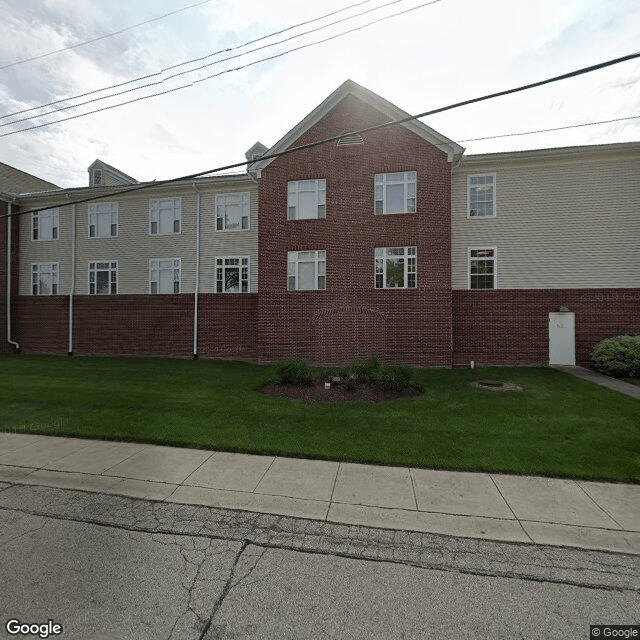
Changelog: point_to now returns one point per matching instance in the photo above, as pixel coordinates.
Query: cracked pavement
(109, 567)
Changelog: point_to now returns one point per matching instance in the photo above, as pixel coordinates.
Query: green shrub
(365, 370)
(294, 371)
(618, 356)
(394, 377)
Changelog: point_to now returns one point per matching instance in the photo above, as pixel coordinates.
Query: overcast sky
(436, 55)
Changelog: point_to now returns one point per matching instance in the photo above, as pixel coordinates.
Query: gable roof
(349, 87)
(99, 164)
(14, 181)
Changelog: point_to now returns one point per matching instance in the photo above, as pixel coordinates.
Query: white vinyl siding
(44, 278)
(306, 270)
(165, 215)
(103, 220)
(232, 212)
(306, 199)
(395, 267)
(164, 275)
(45, 224)
(395, 192)
(565, 221)
(232, 274)
(103, 278)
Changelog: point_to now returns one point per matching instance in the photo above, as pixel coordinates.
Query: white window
(395, 192)
(103, 278)
(97, 178)
(306, 270)
(395, 267)
(306, 199)
(232, 274)
(45, 224)
(482, 268)
(232, 211)
(165, 216)
(164, 276)
(103, 220)
(481, 196)
(44, 278)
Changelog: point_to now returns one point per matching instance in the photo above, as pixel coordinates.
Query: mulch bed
(337, 393)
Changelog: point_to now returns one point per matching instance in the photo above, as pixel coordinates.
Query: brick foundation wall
(512, 327)
(141, 325)
(351, 318)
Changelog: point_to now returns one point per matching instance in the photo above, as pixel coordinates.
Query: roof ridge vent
(350, 138)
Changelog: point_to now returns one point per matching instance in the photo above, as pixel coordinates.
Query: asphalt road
(109, 567)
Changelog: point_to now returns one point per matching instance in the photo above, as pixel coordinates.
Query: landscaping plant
(618, 356)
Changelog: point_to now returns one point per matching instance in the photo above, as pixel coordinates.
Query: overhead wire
(455, 105)
(193, 60)
(215, 75)
(103, 37)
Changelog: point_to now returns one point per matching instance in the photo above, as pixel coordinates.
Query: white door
(562, 339)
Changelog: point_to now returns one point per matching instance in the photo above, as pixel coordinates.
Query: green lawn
(558, 426)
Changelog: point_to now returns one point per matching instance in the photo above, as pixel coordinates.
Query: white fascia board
(451, 148)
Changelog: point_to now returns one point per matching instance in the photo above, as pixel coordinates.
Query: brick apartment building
(392, 243)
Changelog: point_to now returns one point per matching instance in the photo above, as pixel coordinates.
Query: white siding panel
(559, 224)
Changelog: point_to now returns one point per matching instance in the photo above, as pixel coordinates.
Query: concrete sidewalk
(589, 515)
(600, 379)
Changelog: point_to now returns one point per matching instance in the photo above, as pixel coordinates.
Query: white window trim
(293, 192)
(406, 257)
(177, 215)
(93, 211)
(495, 191)
(222, 197)
(495, 265)
(173, 267)
(406, 181)
(238, 266)
(54, 212)
(96, 270)
(293, 264)
(54, 269)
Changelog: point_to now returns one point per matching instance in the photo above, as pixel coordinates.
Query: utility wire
(186, 62)
(107, 35)
(215, 75)
(310, 145)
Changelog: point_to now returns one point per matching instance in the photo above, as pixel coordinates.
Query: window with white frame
(103, 278)
(395, 192)
(103, 220)
(306, 270)
(232, 274)
(45, 224)
(395, 267)
(164, 275)
(482, 268)
(44, 278)
(232, 211)
(306, 199)
(481, 194)
(165, 216)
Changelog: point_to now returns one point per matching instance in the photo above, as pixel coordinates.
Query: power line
(191, 61)
(107, 35)
(455, 105)
(215, 75)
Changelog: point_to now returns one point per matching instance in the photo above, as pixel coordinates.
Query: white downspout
(195, 301)
(9, 340)
(72, 288)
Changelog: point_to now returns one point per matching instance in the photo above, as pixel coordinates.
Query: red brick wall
(351, 318)
(5, 347)
(511, 327)
(140, 325)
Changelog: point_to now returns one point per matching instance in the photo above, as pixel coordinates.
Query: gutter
(9, 340)
(72, 288)
(197, 287)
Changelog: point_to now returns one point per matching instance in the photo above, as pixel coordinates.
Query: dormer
(102, 174)
(254, 154)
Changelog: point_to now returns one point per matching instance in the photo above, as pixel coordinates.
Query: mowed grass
(558, 426)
